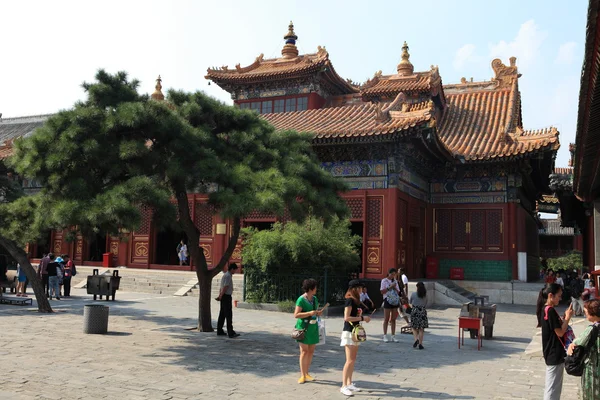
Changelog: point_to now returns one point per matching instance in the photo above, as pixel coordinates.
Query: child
(364, 299)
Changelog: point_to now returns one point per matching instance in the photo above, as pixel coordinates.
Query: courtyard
(150, 353)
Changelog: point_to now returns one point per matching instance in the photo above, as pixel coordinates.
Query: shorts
(346, 339)
(388, 305)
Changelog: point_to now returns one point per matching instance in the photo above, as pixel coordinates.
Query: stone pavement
(149, 354)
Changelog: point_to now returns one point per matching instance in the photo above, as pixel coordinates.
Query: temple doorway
(97, 247)
(43, 245)
(166, 246)
(259, 226)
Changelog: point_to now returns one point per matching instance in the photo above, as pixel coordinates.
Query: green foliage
(287, 306)
(276, 261)
(570, 261)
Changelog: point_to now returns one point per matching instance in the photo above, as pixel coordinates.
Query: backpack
(575, 363)
(393, 298)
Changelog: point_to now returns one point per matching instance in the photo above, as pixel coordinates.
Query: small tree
(118, 150)
(293, 251)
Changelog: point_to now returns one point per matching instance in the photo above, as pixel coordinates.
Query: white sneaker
(394, 339)
(353, 388)
(385, 338)
(345, 391)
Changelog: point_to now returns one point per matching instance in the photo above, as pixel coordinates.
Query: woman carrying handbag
(352, 317)
(306, 313)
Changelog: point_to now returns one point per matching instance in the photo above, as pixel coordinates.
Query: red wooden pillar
(391, 229)
(511, 236)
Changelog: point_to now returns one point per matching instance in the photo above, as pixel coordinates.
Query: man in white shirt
(226, 312)
(404, 281)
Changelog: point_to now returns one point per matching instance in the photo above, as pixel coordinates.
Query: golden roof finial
(158, 94)
(405, 67)
(289, 49)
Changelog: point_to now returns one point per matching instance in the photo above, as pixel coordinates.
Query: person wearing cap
(306, 313)
(352, 316)
(226, 311)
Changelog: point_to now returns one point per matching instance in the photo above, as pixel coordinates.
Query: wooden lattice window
(260, 215)
(443, 230)
(477, 230)
(374, 218)
(146, 221)
(494, 230)
(356, 207)
(204, 218)
(460, 239)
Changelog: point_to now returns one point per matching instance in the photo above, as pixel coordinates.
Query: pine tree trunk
(36, 283)
(204, 314)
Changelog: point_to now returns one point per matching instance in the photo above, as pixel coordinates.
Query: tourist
(52, 270)
(364, 299)
(404, 280)
(391, 301)
(586, 280)
(418, 316)
(590, 292)
(576, 289)
(182, 252)
(553, 329)
(352, 316)
(226, 312)
(550, 278)
(60, 272)
(306, 313)
(70, 272)
(21, 279)
(43, 273)
(559, 280)
(590, 380)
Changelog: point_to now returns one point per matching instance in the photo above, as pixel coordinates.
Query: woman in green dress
(306, 313)
(590, 380)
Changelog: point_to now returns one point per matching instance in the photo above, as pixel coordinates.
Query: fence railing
(272, 288)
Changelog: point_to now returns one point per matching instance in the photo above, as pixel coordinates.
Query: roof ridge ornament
(289, 49)
(158, 94)
(405, 67)
(505, 75)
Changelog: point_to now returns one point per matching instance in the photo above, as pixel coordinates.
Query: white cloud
(566, 53)
(464, 55)
(525, 46)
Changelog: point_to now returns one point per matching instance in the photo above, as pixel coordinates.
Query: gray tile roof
(552, 228)
(12, 128)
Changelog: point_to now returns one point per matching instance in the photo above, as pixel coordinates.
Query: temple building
(443, 178)
(444, 173)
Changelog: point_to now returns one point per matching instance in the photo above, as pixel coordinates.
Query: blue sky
(50, 48)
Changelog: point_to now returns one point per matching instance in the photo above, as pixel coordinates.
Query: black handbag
(575, 363)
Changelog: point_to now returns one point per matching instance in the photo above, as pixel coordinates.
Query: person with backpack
(70, 272)
(590, 379)
(553, 331)
(391, 301)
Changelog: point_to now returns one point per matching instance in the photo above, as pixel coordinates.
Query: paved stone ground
(149, 354)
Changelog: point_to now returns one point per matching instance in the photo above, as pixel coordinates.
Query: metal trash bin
(95, 319)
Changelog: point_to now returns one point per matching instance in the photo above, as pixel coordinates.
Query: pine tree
(118, 150)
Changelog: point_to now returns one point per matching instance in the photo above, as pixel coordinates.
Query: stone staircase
(160, 281)
(453, 292)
